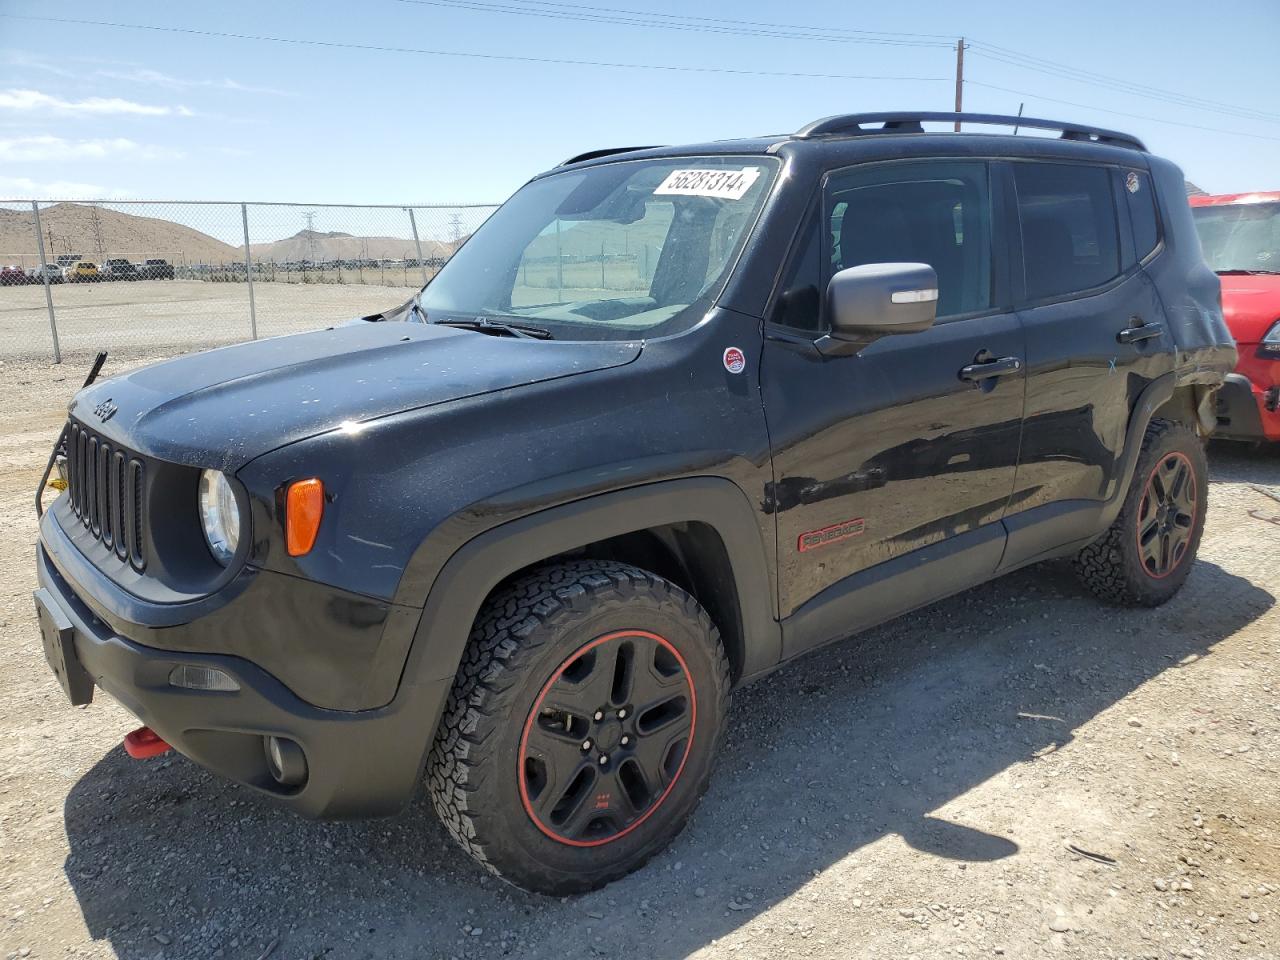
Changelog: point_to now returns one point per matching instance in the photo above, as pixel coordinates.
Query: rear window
(1141, 201)
(1069, 229)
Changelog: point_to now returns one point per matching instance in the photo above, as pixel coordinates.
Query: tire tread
(512, 629)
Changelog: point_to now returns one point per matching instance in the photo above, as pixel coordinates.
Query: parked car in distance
(50, 271)
(119, 269)
(82, 271)
(832, 377)
(1240, 236)
(64, 260)
(155, 268)
(12, 276)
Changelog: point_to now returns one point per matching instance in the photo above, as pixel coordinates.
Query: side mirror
(874, 300)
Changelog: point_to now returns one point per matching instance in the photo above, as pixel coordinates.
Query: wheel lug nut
(622, 714)
(599, 715)
(625, 741)
(586, 745)
(604, 759)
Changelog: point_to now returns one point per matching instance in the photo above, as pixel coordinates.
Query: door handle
(1143, 331)
(987, 369)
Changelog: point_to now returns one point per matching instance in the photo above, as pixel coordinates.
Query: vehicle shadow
(861, 741)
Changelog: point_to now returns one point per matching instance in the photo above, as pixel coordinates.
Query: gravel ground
(136, 320)
(910, 793)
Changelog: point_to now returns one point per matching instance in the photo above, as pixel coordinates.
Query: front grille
(104, 487)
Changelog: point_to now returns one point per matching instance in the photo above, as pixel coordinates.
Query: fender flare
(1153, 396)
(471, 573)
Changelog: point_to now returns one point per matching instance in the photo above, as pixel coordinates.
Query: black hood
(222, 408)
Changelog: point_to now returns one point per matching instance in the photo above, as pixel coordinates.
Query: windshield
(613, 252)
(1243, 237)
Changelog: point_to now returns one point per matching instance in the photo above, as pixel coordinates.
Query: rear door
(1095, 337)
(911, 443)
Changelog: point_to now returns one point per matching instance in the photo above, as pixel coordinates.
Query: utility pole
(959, 79)
(96, 222)
(310, 217)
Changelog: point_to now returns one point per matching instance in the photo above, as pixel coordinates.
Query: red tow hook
(143, 743)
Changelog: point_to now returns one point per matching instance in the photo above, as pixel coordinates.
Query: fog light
(286, 761)
(194, 677)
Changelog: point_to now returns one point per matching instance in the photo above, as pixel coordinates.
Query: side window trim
(1006, 233)
(808, 221)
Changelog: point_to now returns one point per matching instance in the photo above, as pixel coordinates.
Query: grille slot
(106, 493)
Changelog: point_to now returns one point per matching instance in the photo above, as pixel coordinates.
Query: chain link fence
(142, 278)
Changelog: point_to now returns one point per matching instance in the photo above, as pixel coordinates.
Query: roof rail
(852, 123)
(605, 152)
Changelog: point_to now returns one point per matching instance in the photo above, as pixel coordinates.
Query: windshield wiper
(525, 331)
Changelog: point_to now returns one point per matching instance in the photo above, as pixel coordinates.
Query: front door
(914, 441)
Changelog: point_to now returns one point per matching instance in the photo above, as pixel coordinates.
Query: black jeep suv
(670, 417)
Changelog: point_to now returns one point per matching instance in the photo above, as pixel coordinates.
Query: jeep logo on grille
(105, 410)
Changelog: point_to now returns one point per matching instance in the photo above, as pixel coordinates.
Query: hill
(335, 245)
(97, 233)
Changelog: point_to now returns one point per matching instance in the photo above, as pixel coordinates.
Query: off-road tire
(517, 648)
(1112, 566)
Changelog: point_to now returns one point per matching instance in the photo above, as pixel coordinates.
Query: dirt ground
(910, 793)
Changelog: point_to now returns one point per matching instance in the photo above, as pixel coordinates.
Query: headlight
(219, 515)
(1272, 339)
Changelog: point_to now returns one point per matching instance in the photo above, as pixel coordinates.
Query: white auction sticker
(720, 184)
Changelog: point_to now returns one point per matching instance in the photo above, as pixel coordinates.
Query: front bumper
(360, 763)
(1246, 412)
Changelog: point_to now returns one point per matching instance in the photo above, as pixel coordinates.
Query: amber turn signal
(304, 506)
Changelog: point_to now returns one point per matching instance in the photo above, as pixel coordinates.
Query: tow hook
(144, 742)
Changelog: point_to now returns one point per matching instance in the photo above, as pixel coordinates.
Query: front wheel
(581, 730)
(1146, 554)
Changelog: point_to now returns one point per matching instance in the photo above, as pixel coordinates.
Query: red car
(12, 276)
(1240, 234)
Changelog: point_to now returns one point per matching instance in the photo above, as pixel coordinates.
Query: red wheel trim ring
(1191, 472)
(537, 705)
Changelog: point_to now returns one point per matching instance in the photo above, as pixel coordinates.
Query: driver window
(934, 212)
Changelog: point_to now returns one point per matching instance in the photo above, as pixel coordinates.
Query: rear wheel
(581, 730)
(1146, 555)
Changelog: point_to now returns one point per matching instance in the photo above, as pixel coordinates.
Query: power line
(1124, 86)
(631, 18)
(1119, 113)
(379, 48)
(821, 28)
(558, 9)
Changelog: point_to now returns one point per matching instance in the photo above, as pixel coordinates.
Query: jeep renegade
(671, 417)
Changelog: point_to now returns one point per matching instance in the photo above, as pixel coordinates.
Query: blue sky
(114, 112)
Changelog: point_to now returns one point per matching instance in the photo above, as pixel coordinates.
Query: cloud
(22, 188)
(29, 61)
(47, 148)
(28, 101)
(155, 78)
